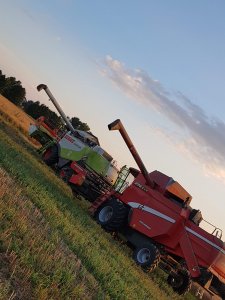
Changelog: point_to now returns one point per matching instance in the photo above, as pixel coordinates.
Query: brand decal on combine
(69, 138)
(140, 186)
(73, 141)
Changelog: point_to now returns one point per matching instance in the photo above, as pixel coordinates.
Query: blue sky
(157, 65)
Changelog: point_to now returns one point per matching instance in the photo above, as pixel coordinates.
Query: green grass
(52, 245)
(36, 254)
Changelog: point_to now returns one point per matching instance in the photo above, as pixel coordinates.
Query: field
(17, 115)
(50, 247)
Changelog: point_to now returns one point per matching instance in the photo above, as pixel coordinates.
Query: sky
(157, 65)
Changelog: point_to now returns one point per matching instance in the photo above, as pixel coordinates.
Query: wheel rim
(143, 255)
(177, 281)
(105, 214)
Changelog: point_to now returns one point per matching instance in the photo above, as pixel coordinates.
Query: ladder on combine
(121, 181)
(118, 186)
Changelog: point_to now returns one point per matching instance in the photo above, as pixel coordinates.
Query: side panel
(71, 148)
(97, 162)
(149, 221)
(206, 246)
(218, 266)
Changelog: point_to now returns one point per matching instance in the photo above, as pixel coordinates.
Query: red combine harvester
(154, 216)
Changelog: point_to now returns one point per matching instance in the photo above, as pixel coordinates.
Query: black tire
(65, 173)
(218, 287)
(112, 215)
(50, 156)
(147, 256)
(221, 290)
(181, 282)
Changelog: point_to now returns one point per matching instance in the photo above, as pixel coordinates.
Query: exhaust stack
(56, 104)
(117, 125)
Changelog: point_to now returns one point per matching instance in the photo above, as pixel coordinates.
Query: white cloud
(201, 137)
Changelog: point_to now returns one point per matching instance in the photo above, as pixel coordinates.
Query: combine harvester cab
(155, 217)
(77, 156)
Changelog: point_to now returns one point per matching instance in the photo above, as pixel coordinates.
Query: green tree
(12, 89)
(36, 110)
(77, 124)
(2, 81)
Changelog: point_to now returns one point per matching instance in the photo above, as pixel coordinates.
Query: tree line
(13, 90)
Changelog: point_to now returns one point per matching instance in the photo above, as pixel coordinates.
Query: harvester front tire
(50, 156)
(147, 256)
(112, 215)
(181, 283)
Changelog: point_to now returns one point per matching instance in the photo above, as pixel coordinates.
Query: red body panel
(218, 267)
(42, 122)
(167, 223)
(79, 176)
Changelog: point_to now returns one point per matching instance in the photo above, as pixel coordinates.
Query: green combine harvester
(76, 155)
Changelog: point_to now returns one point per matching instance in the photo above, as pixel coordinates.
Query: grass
(36, 260)
(50, 248)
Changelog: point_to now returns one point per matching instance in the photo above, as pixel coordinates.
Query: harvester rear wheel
(50, 156)
(180, 282)
(147, 256)
(112, 215)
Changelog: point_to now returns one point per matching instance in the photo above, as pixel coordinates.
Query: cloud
(201, 137)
